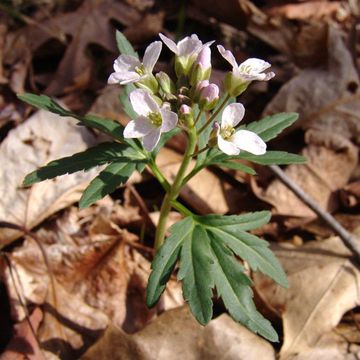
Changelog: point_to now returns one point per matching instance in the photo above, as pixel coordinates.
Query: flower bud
(209, 96)
(166, 84)
(201, 69)
(186, 114)
(195, 92)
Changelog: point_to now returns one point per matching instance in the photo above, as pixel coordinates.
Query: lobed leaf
(104, 125)
(124, 46)
(271, 126)
(206, 246)
(107, 181)
(98, 155)
(273, 158)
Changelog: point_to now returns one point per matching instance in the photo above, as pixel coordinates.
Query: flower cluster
(162, 103)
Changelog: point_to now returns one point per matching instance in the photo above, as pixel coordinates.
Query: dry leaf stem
(350, 241)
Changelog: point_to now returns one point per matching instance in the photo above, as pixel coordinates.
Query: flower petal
(232, 115)
(169, 120)
(249, 141)
(255, 65)
(138, 128)
(151, 139)
(169, 43)
(228, 56)
(142, 102)
(125, 63)
(227, 147)
(261, 77)
(189, 46)
(123, 77)
(151, 55)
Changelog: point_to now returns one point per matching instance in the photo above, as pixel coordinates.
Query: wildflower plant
(210, 250)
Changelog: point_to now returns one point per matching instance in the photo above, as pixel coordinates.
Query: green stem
(198, 117)
(175, 188)
(214, 114)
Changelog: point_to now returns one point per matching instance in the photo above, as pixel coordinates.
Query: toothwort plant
(208, 247)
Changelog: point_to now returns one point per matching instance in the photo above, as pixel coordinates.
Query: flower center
(227, 132)
(155, 119)
(140, 70)
(245, 69)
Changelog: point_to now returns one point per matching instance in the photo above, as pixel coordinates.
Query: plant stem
(214, 114)
(174, 191)
(198, 117)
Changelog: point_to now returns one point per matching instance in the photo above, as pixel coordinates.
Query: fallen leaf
(329, 113)
(42, 138)
(323, 285)
(24, 344)
(176, 335)
(89, 24)
(95, 275)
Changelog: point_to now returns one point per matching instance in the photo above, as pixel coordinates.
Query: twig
(349, 241)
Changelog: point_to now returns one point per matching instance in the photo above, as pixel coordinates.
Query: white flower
(230, 141)
(152, 120)
(251, 69)
(129, 69)
(186, 50)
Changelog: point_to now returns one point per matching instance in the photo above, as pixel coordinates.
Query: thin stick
(349, 241)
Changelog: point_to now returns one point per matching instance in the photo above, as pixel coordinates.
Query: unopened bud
(186, 114)
(213, 135)
(166, 84)
(201, 69)
(195, 93)
(209, 96)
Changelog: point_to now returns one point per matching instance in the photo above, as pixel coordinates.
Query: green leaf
(196, 265)
(107, 126)
(95, 156)
(165, 260)
(106, 182)
(273, 158)
(165, 137)
(271, 126)
(237, 166)
(206, 246)
(253, 250)
(233, 286)
(124, 46)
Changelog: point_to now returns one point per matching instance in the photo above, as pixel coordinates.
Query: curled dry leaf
(42, 138)
(329, 112)
(323, 285)
(176, 335)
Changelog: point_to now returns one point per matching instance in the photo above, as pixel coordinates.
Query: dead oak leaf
(177, 335)
(90, 24)
(323, 285)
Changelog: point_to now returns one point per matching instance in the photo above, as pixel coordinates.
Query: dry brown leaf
(206, 192)
(89, 24)
(311, 10)
(332, 125)
(176, 335)
(323, 285)
(42, 138)
(99, 278)
(24, 345)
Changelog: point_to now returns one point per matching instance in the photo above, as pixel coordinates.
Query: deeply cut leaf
(104, 125)
(98, 155)
(271, 126)
(206, 246)
(124, 46)
(106, 182)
